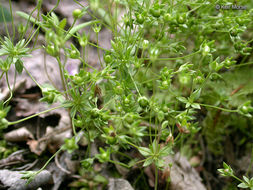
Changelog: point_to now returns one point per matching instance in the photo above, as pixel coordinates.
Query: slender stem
(174, 58)
(123, 154)
(119, 163)
(219, 108)
(156, 178)
(89, 142)
(31, 37)
(241, 65)
(150, 128)
(134, 83)
(82, 57)
(57, 152)
(38, 17)
(72, 25)
(97, 46)
(140, 161)
(86, 64)
(251, 162)
(12, 22)
(101, 64)
(2, 75)
(73, 127)
(56, 5)
(132, 144)
(237, 178)
(5, 24)
(28, 20)
(48, 76)
(205, 81)
(32, 78)
(8, 84)
(61, 73)
(34, 115)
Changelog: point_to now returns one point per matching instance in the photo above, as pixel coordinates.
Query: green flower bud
(76, 13)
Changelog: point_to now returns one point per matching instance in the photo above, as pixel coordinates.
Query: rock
(182, 175)
(11, 180)
(119, 184)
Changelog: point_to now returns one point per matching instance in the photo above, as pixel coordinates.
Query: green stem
(73, 127)
(5, 24)
(219, 108)
(123, 154)
(32, 78)
(244, 64)
(119, 163)
(2, 75)
(89, 143)
(140, 161)
(12, 22)
(45, 68)
(97, 46)
(31, 37)
(72, 25)
(86, 64)
(61, 73)
(101, 64)
(237, 178)
(132, 144)
(134, 83)
(174, 58)
(8, 84)
(34, 115)
(56, 5)
(45, 165)
(156, 178)
(28, 18)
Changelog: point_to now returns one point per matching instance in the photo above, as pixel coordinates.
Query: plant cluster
(152, 84)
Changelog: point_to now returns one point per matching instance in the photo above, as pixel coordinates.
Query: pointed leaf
(19, 66)
(148, 162)
(77, 28)
(182, 99)
(243, 185)
(145, 151)
(196, 94)
(196, 106)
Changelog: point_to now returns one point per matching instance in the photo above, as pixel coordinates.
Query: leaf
(77, 28)
(196, 94)
(19, 66)
(165, 151)
(187, 105)
(246, 179)
(159, 163)
(4, 14)
(30, 18)
(243, 185)
(184, 67)
(196, 106)
(165, 124)
(148, 162)
(3, 52)
(225, 165)
(182, 99)
(154, 147)
(145, 151)
(63, 23)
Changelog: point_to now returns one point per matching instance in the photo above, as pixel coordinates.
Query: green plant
(246, 183)
(156, 72)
